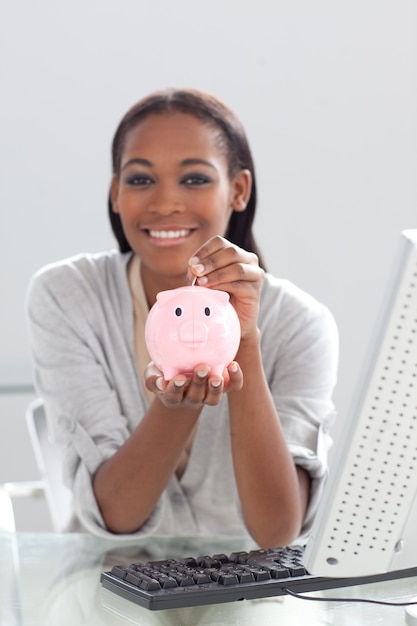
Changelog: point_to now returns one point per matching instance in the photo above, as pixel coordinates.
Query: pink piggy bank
(192, 325)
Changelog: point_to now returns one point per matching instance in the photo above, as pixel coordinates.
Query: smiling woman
(241, 452)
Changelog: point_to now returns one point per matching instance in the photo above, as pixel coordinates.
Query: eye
(178, 311)
(195, 180)
(207, 311)
(139, 180)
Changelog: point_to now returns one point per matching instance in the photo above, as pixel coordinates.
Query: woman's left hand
(219, 264)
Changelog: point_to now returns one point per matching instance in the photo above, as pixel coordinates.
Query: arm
(125, 487)
(274, 493)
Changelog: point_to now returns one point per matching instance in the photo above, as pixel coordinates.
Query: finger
(154, 380)
(224, 265)
(197, 389)
(209, 248)
(215, 390)
(171, 392)
(208, 258)
(234, 278)
(235, 377)
(174, 391)
(218, 251)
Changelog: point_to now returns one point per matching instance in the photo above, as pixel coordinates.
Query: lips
(169, 234)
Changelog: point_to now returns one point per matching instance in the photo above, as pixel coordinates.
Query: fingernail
(199, 268)
(233, 368)
(179, 383)
(160, 383)
(202, 373)
(216, 383)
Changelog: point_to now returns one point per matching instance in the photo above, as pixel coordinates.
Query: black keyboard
(194, 581)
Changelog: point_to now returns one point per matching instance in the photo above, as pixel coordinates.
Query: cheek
(127, 207)
(226, 217)
(220, 220)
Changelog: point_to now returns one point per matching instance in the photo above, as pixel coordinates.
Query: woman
(203, 454)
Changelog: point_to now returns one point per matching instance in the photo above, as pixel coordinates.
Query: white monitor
(367, 520)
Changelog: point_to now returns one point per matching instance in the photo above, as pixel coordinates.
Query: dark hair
(211, 110)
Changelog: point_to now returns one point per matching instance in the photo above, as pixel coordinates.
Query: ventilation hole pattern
(382, 461)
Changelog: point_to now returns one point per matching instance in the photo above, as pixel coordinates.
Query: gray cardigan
(80, 317)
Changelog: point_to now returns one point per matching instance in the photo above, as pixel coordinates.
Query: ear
(114, 190)
(241, 188)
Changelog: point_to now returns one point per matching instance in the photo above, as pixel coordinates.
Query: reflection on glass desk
(52, 579)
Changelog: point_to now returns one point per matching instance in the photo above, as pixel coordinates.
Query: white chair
(7, 523)
(50, 485)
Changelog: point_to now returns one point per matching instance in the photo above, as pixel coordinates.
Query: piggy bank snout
(193, 332)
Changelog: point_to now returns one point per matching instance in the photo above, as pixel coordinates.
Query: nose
(165, 201)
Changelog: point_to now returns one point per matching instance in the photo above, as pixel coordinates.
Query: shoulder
(83, 266)
(86, 275)
(291, 310)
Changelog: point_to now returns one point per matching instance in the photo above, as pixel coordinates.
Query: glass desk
(52, 579)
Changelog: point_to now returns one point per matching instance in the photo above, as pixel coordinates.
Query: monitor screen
(367, 520)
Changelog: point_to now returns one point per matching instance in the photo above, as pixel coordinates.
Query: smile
(169, 234)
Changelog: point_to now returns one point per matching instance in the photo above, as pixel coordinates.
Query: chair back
(7, 521)
(58, 496)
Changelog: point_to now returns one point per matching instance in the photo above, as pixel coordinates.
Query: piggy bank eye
(207, 311)
(178, 311)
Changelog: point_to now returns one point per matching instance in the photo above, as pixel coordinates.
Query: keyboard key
(239, 557)
(223, 558)
(280, 572)
(261, 574)
(119, 571)
(298, 571)
(165, 564)
(189, 561)
(208, 561)
(167, 582)
(183, 580)
(149, 584)
(134, 578)
(228, 579)
(201, 578)
(245, 577)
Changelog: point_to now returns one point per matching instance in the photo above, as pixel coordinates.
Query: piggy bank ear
(221, 296)
(164, 296)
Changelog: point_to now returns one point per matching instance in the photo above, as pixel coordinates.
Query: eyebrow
(196, 161)
(183, 163)
(137, 161)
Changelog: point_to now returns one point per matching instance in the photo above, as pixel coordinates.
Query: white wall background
(327, 91)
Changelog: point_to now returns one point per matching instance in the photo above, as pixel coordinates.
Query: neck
(153, 283)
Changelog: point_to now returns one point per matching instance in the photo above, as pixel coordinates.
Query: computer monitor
(367, 519)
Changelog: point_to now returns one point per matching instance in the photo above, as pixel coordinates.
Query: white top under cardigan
(81, 325)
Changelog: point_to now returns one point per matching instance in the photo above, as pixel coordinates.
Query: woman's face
(174, 192)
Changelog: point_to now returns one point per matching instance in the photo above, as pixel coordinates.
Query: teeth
(168, 234)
